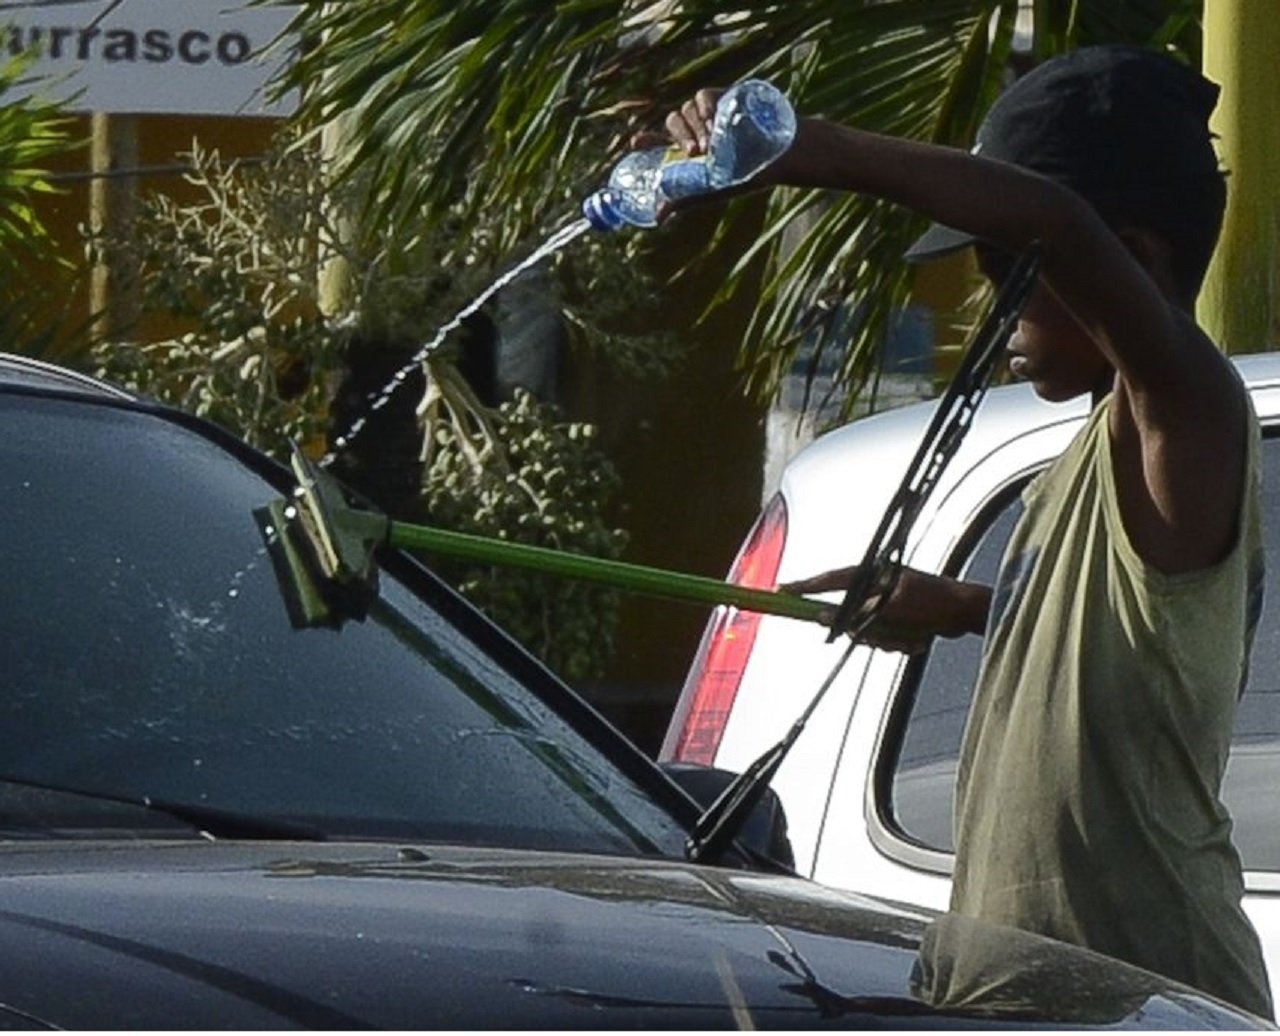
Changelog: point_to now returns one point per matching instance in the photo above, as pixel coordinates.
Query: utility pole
(113, 209)
(1240, 303)
(336, 287)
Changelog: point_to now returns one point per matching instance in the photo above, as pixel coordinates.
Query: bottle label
(681, 176)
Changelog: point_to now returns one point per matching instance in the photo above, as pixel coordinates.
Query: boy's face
(1049, 349)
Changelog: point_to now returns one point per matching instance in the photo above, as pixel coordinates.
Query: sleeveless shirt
(1087, 801)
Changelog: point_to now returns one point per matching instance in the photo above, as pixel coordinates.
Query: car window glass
(1253, 770)
(940, 689)
(147, 653)
(924, 777)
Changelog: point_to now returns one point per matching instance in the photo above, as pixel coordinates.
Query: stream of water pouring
(378, 400)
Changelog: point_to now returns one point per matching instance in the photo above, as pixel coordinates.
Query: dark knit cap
(1105, 121)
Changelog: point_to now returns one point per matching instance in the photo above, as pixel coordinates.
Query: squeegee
(324, 548)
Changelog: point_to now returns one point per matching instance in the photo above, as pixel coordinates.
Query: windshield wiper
(209, 821)
(875, 578)
(222, 823)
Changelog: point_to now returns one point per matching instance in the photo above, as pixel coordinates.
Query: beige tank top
(1087, 803)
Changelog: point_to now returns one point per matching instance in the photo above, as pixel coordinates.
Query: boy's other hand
(920, 607)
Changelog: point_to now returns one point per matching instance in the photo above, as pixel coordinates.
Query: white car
(868, 786)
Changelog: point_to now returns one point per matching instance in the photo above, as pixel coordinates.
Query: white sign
(198, 57)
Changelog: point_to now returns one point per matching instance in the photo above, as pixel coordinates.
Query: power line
(111, 7)
(32, 5)
(172, 169)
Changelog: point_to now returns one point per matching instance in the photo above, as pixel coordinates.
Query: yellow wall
(1240, 304)
(162, 141)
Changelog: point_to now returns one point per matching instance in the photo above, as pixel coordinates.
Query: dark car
(212, 819)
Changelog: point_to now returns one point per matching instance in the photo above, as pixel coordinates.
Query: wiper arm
(222, 823)
(210, 821)
(721, 823)
(875, 578)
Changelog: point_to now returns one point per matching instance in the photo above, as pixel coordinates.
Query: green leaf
(492, 118)
(32, 131)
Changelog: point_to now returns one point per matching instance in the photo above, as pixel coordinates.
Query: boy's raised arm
(1178, 416)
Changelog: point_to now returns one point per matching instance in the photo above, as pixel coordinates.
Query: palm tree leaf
(497, 115)
(32, 130)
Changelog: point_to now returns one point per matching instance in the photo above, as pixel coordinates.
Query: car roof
(837, 488)
(25, 372)
(1006, 410)
(1259, 369)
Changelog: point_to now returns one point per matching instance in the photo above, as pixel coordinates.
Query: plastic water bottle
(754, 124)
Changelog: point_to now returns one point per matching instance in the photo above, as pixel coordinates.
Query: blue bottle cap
(601, 210)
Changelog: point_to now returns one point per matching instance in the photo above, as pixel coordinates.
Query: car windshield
(148, 655)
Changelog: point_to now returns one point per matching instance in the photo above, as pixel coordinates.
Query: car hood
(351, 936)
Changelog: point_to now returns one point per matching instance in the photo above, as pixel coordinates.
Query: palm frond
(32, 130)
(501, 114)
(910, 69)
(479, 103)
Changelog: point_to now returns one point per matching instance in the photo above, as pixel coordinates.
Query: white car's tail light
(712, 684)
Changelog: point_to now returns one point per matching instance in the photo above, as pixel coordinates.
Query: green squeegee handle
(618, 574)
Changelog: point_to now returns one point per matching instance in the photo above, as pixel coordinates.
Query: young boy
(1118, 636)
